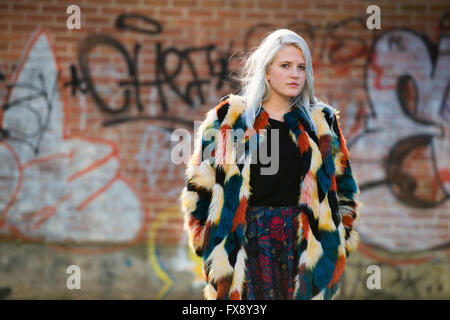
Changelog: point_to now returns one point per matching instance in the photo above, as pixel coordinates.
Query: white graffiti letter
(74, 20)
(74, 280)
(374, 21)
(374, 280)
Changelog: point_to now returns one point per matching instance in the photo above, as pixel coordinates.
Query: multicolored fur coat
(214, 201)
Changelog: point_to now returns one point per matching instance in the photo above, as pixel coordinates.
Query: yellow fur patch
(357, 211)
(352, 242)
(231, 171)
(316, 156)
(313, 252)
(209, 292)
(319, 119)
(218, 262)
(202, 175)
(245, 187)
(341, 248)
(215, 207)
(325, 219)
(239, 271)
(237, 107)
(188, 201)
(293, 137)
(211, 116)
(337, 163)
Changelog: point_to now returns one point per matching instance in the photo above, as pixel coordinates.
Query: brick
(211, 3)
(186, 3)
(256, 15)
(212, 23)
(388, 8)
(55, 9)
(351, 7)
(268, 4)
(286, 15)
(413, 7)
(300, 6)
(5, 7)
(176, 12)
(127, 2)
(25, 7)
(12, 17)
(98, 20)
(90, 2)
(156, 3)
(115, 11)
(239, 4)
(441, 7)
(34, 18)
(199, 12)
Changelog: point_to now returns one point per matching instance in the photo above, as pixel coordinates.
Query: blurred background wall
(86, 176)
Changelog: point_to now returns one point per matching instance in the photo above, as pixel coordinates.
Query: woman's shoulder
(322, 111)
(326, 109)
(227, 110)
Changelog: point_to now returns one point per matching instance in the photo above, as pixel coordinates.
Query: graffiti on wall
(130, 83)
(330, 42)
(404, 174)
(55, 186)
(409, 280)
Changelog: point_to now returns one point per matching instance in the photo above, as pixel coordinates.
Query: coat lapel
(322, 255)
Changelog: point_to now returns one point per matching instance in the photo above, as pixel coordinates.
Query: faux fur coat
(214, 200)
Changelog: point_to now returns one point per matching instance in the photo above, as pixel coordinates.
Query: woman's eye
(284, 65)
(302, 67)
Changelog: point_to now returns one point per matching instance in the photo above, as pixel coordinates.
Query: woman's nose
(294, 73)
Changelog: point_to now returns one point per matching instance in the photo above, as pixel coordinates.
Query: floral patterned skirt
(271, 252)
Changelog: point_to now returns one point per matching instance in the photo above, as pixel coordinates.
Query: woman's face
(287, 73)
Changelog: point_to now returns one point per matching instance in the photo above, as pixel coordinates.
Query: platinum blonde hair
(256, 88)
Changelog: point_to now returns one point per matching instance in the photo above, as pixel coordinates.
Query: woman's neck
(276, 107)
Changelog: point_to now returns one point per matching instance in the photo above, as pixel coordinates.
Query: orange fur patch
(239, 217)
(333, 183)
(235, 295)
(303, 142)
(223, 286)
(338, 271)
(261, 121)
(347, 221)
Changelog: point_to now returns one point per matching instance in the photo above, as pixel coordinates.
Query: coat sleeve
(195, 198)
(347, 189)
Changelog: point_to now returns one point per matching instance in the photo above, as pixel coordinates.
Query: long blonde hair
(255, 88)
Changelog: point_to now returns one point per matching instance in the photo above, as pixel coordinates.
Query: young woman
(281, 229)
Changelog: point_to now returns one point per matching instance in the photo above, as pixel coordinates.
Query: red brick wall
(106, 175)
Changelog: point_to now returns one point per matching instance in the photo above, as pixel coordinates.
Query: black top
(280, 187)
